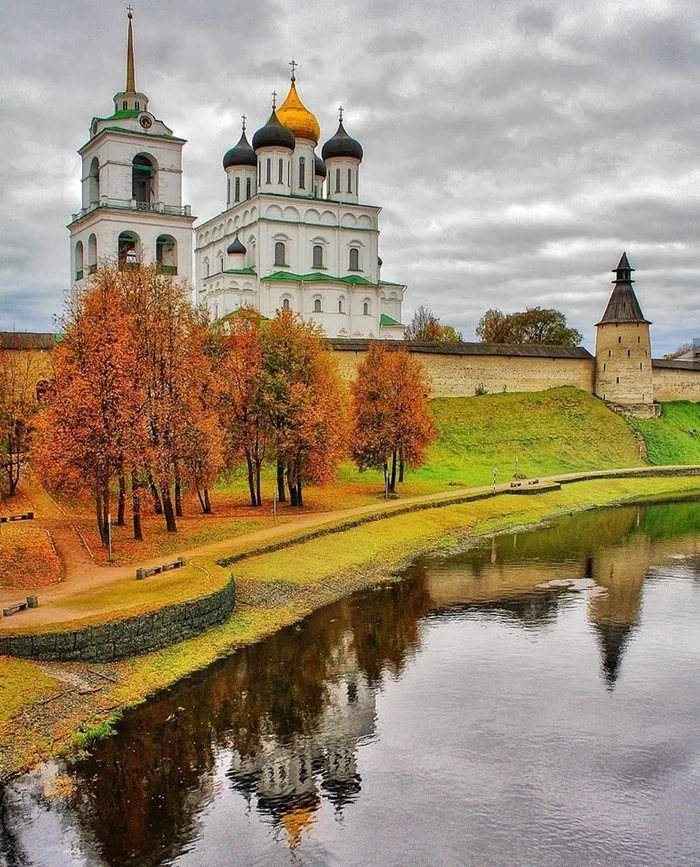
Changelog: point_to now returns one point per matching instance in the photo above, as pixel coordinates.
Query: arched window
(94, 182)
(302, 173)
(92, 254)
(337, 180)
(79, 260)
(285, 304)
(317, 256)
(207, 268)
(220, 262)
(237, 190)
(349, 180)
(143, 181)
(247, 188)
(317, 305)
(280, 171)
(365, 308)
(354, 259)
(340, 305)
(128, 250)
(137, 105)
(280, 253)
(166, 254)
(124, 105)
(268, 171)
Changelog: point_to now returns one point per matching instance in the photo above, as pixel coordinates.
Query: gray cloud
(516, 148)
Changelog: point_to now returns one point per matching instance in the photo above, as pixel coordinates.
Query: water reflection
(280, 725)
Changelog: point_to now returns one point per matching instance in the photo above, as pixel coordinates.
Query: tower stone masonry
(623, 376)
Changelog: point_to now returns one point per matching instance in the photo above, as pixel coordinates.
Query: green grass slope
(674, 438)
(562, 429)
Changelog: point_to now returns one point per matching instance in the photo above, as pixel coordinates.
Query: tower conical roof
(623, 305)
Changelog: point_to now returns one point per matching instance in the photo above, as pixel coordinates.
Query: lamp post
(495, 474)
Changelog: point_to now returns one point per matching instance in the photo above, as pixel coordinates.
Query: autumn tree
(92, 425)
(685, 349)
(534, 325)
(240, 373)
(305, 402)
(426, 327)
(391, 421)
(18, 405)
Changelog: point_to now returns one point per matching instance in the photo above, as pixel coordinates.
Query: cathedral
(294, 234)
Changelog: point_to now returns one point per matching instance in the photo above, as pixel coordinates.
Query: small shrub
(480, 389)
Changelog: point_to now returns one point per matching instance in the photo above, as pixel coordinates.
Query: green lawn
(674, 438)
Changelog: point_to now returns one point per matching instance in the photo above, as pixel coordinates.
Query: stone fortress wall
(463, 370)
(457, 370)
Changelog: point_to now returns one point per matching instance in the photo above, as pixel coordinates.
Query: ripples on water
(533, 701)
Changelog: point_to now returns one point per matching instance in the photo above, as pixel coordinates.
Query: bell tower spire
(130, 74)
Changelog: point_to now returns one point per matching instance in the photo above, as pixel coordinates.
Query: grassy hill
(674, 438)
(548, 431)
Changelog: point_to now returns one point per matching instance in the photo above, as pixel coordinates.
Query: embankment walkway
(109, 579)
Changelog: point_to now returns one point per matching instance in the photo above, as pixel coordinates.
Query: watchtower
(623, 349)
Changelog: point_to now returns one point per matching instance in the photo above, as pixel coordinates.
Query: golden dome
(297, 118)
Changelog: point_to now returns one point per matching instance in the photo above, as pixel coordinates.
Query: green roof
(386, 321)
(121, 115)
(389, 283)
(317, 277)
(237, 271)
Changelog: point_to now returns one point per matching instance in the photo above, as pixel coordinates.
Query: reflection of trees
(385, 626)
(11, 852)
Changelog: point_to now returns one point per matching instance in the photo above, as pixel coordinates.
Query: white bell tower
(132, 207)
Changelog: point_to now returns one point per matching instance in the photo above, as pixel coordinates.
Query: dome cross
(274, 99)
(293, 64)
(340, 113)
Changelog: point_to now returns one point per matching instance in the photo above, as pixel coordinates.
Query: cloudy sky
(517, 148)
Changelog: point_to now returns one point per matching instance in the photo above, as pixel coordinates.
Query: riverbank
(71, 701)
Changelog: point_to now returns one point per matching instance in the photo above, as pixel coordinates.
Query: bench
(29, 516)
(156, 570)
(534, 482)
(516, 484)
(29, 602)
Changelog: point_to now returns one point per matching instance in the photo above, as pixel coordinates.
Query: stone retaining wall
(139, 634)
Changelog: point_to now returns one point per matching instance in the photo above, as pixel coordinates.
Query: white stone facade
(132, 207)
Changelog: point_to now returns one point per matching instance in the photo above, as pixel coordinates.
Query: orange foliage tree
(134, 396)
(18, 404)
(391, 421)
(305, 401)
(239, 369)
(91, 427)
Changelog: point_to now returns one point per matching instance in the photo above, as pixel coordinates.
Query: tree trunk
(207, 502)
(105, 512)
(281, 496)
(99, 513)
(300, 495)
(121, 508)
(178, 495)
(251, 479)
(258, 482)
(392, 480)
(157, 502)
(136, 507)
(201, 501)
(170, 524)
(401, 465)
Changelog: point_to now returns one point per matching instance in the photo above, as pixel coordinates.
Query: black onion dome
(235, 246)
(240, 155)
(319, 167)
(274, 134)
(379, 261)
(342, 145)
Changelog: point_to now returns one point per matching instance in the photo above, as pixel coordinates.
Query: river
(533, 700)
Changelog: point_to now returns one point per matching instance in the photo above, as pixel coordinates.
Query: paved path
(87, 576)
